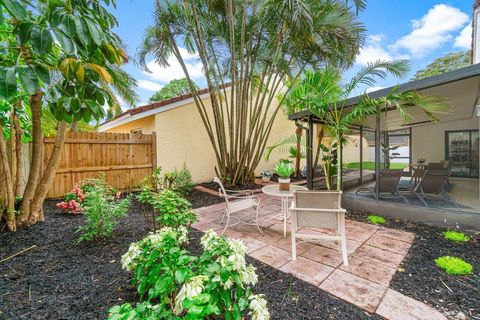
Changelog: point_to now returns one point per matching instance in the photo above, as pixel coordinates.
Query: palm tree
(323, 93)
(247, 50)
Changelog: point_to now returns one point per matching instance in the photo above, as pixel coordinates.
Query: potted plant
(266, 175)
(284, 171)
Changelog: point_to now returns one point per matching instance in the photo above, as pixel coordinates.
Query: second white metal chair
(318, 209)
(236, 201)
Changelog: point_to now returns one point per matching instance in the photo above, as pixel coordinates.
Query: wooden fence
(123, 159)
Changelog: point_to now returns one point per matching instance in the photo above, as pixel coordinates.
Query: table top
(272, 190)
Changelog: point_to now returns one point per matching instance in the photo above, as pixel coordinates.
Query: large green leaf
(82, 30)
(65, 41)
(43, 73)
(24, 32)
(68, 25)
(15, 8)
(94, 31)
(41, 40)
(28, 79)
(8, 83)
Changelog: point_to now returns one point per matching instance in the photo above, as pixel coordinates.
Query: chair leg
(256, 219)
(344, 243)
(419, 197)
(223, 217)
(226, 224)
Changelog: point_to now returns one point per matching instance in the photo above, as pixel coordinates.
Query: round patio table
(273, 190)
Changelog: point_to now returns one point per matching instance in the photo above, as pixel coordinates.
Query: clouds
(432, 31)
(174, 70)
(441, 25)
(149, 85)
(373, 50)
(464, 39)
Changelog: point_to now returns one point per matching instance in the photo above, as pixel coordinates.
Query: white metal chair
(236, 201)
(318, 209)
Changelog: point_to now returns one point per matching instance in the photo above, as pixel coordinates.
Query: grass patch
(368, 165)
(374, 219)
(454, 266)
(456, 236)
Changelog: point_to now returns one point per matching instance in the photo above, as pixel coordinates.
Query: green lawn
(368, 165)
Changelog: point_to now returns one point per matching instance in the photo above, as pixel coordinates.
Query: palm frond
(284, 145)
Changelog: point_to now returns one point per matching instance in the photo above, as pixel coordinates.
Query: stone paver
(272, 256)
(330, 257)
(389, 244)
(374, 255)
(396, 234)
(308, 270)
(370, 270)
(379, 255)
(360, 292)
(396, 306)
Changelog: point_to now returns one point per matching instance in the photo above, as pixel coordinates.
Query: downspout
(377, 156)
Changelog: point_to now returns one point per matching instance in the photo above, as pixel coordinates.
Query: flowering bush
(73, 200)
(173, 284)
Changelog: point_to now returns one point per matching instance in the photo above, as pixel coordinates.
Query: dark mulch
(420, 278)
(200, 199)
(64, 280)
(214, 186)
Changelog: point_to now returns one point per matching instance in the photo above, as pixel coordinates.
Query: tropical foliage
(324, 94)
(60, 55)
(450, 62)
(172, 89)
(247, 50)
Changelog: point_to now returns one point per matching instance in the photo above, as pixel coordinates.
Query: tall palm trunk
(20, 153)
(298, 133)
(320, 134)
(13, 148)
(45, 183)
(7, 178)
(339, 164)
(37, 145)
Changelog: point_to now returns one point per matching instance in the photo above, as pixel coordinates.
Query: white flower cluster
(129, 259)
(258, 307)
(189, 290)
(236, 261)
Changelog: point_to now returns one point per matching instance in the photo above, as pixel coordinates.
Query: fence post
(154, 151)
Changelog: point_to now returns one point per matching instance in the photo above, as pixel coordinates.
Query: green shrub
(456, 236)
(102, 213)
(173, 210)
(178, 180)
(374, 219)
(173, 284)
(454, 266)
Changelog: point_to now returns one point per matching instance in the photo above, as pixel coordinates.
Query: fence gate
(123, 159)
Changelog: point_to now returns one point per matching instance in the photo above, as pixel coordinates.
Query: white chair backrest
(221, 189)
(317, 200)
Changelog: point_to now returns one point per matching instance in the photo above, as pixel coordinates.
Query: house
(182, 138)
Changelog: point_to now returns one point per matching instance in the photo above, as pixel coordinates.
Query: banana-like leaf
(8, 83)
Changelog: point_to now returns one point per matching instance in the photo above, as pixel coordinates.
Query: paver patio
(374, 255)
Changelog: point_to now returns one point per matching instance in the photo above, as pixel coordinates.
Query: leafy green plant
(101, 214)
(172, 209)
(146, 197)
(374, 219)
(284, 169)
(173, 284)
(178, 180)
(456, 236)
(454, 266)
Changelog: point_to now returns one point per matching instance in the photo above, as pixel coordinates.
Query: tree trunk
(48, 176)
(298, 133)
(74, 126)
(320, 134)
(37, 144)
(339, 164)
(7, 178)
(13, 149)
(20, 148)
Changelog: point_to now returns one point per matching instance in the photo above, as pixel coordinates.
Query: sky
(417, 30)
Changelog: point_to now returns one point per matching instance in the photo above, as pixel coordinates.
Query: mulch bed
(214, 186)
(457, 297)
(64, 280)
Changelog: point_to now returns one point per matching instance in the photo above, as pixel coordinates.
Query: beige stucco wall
(182, 138)
(147, 125)
(428, 141)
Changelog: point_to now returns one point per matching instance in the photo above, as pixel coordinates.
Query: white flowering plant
(173, 284)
